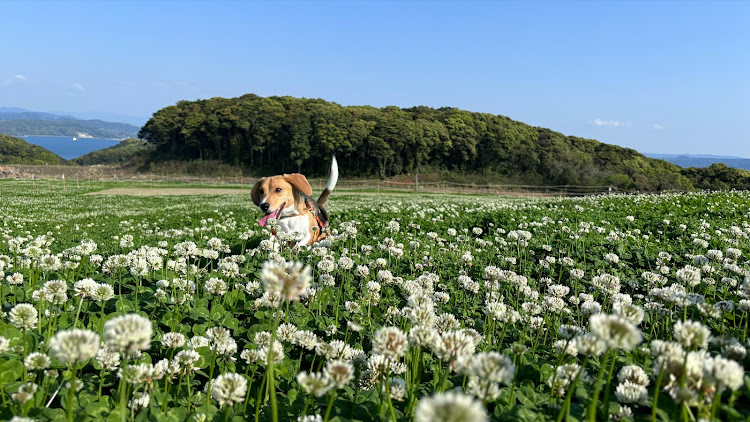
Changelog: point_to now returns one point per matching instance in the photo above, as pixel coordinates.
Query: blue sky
(660, 77)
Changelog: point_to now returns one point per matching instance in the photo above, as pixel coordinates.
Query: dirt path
(171, 191)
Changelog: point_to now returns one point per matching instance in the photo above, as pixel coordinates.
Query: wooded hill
(17, 151)
(286, 134)
(123, 153)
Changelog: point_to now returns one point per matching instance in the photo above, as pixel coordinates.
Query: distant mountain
(17, 151)
(106, 116)
(19, 122)
(703, 160)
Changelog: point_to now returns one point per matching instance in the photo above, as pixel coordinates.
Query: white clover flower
(37, 361)
(565, 347)
(306, 339)
(632, 313)
(186, 360)
(453, 345)
(339, 372)
(634, 374)
(563, 378)
(397, 387)
(691, 334)
(228, 389)
(15, 279)
(612, 258)
(107, 359)
(725, 373)
(216, 286)
(23, 316)
(391, 342)
(72, 346)
(449, 407)
(482, 389)
(173, 340)
(423, 336)
(352, 307)
(289, 280)
(689, 276)
(85, 287)
(139, 401)
(629, 392)
(128, 333)
(590, 345)
(25, 393)
(491, 366)
(316, 383)
(615, 331)
(102, 292)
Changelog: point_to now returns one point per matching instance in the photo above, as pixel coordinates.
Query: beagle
(287, 199)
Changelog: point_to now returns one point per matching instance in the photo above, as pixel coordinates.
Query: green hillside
(124, 152)
(64, 126)
(718, 176)
(284, 134)
(17, 151)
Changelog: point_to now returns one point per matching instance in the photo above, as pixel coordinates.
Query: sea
(65, 147)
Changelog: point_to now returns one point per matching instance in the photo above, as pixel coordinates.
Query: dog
(287, 198)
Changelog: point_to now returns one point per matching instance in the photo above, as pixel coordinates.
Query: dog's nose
(264, 206)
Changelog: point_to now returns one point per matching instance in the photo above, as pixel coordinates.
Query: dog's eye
(261, 191)
(278, 189)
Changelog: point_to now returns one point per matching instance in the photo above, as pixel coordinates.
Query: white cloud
(13, 80)
(78, 87)
(609, 123)
(657, 126)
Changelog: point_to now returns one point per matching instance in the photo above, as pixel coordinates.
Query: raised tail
(332, 179)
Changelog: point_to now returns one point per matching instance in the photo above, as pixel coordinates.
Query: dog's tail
(332, 179)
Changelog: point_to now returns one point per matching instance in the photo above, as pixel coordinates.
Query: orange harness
(321, 226)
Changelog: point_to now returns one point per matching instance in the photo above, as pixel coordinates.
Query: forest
(285, 134)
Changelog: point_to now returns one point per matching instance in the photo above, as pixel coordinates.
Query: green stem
(270, 370)
(330, 406)
(69, 401)
(258, 395)
(441, 384)
(609, 383)
(123, 399)
(598, 387)
(210, 377)
(715, 404)
(78, 313)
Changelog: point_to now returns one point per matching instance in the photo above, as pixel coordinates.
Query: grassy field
(423, 307)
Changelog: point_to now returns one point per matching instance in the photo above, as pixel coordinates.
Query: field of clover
(418, 307)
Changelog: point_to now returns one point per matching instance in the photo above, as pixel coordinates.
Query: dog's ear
(300, 182)
(255, 193)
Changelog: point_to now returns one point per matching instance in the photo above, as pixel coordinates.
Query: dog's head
(275, 194)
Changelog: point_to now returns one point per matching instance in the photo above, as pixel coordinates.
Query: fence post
(378, 185)
(33, 182)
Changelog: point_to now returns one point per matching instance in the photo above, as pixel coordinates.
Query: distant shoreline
(71, 137)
